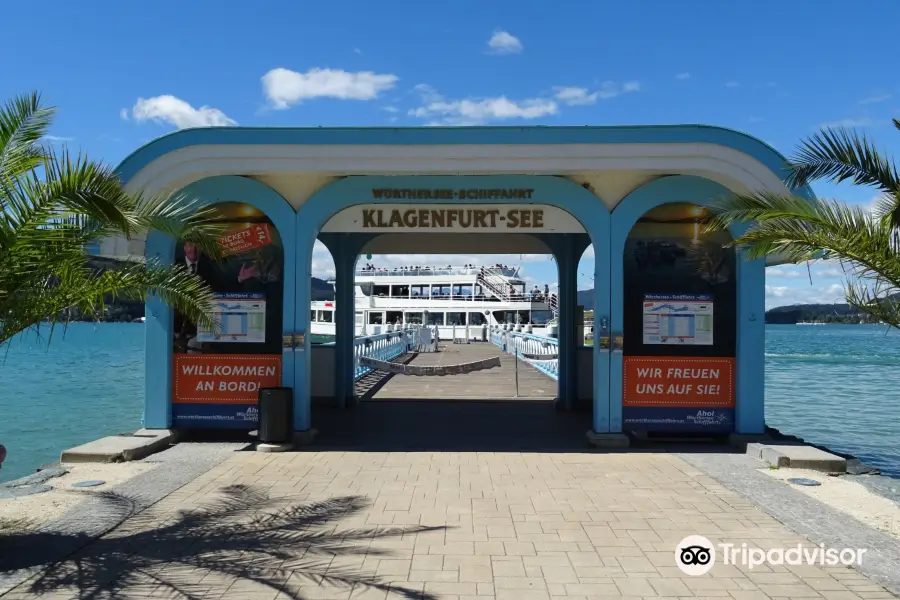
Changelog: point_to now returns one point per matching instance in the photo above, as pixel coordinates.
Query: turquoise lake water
(834, 385)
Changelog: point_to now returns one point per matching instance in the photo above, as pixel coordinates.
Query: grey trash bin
(276, 415)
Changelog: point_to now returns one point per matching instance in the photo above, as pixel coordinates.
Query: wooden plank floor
(490, 384)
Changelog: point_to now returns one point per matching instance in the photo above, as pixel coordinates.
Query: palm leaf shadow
(244, 536)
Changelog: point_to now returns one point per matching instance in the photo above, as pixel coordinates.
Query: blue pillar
(345, 249)
(302, 376)
(567, 249)
(750, 417)
(607, 414)
(158, 344)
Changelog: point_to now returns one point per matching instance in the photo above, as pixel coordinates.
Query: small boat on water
(140, 320)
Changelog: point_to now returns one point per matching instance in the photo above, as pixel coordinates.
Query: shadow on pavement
(471, 426)
(243, 538)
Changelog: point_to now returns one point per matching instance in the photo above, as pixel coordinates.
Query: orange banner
(671, 381)
(224, 378)
(237, 241)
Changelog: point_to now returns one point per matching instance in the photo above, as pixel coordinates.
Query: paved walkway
(449, 525)
(495, 383)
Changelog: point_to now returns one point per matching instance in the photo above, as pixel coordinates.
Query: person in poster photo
(255, 271)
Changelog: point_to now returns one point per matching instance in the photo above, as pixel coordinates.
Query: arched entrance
(564, 216)
(686, 312)
(197, 379)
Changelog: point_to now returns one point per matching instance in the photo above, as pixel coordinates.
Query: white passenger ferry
(450, 298)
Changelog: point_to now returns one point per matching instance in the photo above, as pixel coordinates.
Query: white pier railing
(386, 346)
(538, 351)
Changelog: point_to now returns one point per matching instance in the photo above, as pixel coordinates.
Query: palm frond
(875, 298)
(54, 204)
(23, 122)
(841, 154)
(801, 230)
(182, 217)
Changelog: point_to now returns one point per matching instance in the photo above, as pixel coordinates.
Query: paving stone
(511, 526)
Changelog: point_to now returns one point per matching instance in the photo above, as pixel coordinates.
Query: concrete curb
(797, 456)
(120, 448)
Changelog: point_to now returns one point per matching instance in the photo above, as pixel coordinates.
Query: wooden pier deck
(491, 384)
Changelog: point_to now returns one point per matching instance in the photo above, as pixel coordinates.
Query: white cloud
(732, 84)
(876, 99)
(848, 123)
(285, 88)
(390, 109)
(783, 295)
(474, 111)
(829, 273)
(123, 114)
(503, 42)
(175, 111)
(873, 204)
(575, 96)
(683, 76)
(357, 51)
(786, 272)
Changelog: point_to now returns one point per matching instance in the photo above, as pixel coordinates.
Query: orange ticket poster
(238, 241)
(678, 382)
(224, 378)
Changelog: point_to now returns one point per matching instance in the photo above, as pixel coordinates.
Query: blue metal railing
(540, 352)
(385, 346)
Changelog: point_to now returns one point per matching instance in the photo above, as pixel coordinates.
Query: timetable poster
(217, 373)
(678, 319)
(680, 323)
(239, 318)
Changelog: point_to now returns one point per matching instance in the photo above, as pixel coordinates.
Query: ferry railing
(429, 271)
(540, 352)
(385, 346)
(512, 297)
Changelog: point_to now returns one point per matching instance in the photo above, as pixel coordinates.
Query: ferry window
(419, 290)
(394, 317)
(456, 318)
(414, 318)
(325, 316)
(359, 318)
(476, 318)
(401, 291)
(435, 319)
(376, 318)
(440, 290)
(507, 316)
(541, 317)
(381, 290)
(312, 316)
(478, 290)
(462, 290)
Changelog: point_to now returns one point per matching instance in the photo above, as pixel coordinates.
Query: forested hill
(825, 313)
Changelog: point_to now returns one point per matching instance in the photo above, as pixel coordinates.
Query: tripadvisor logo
(696, 555)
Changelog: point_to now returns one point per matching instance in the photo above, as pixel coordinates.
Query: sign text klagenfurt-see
(465, 218)
(518, 216)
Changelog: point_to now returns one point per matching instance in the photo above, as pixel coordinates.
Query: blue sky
(123, 73)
